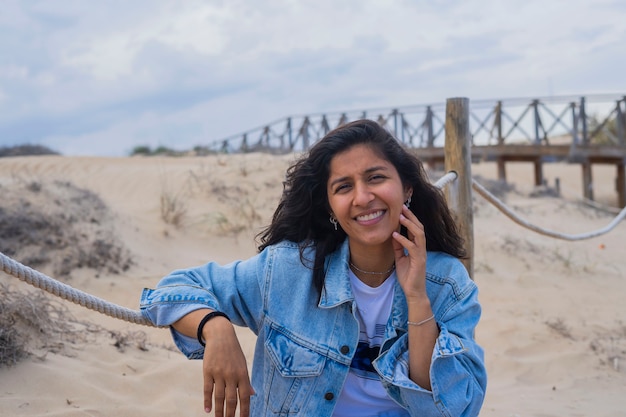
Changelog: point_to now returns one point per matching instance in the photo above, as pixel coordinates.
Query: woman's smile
(370, 218)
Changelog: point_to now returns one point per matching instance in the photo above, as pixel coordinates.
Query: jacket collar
(337, 288)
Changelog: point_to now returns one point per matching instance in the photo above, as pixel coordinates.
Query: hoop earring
(333, 221)
(408, 202)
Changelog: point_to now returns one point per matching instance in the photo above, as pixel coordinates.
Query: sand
(553, 325)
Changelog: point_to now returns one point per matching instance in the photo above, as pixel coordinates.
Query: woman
(359, 301)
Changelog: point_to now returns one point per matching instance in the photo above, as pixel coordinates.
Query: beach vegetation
(144, 150)
(59, 227)
(26, 150)
(30, 322)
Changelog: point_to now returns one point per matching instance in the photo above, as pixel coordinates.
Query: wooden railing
(572, 120)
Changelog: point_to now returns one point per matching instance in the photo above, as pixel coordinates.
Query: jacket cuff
(151, 300)
(393, 365)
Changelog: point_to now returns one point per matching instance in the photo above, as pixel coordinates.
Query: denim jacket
(305, 342)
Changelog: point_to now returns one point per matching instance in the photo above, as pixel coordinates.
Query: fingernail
(207, 410)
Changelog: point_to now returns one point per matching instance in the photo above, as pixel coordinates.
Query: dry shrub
(136, 338)
(31, 322)
(34, 324)
(59, 226)
(558, 325)
(26, 150)
(610, 346)
(173, 209)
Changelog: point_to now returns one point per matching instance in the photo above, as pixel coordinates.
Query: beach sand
(553, 325)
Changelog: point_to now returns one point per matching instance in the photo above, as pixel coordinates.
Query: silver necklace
(373, 273)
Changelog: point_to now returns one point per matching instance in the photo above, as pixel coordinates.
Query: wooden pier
(538, 155)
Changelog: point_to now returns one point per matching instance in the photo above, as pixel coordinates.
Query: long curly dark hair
(302, 215)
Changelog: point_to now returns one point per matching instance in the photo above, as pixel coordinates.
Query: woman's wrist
(418, 300)
(419, 309)
(201, 336)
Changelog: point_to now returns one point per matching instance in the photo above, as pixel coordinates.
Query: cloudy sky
(101, 77)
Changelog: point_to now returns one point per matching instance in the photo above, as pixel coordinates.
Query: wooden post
(538, 171)
(537, 121)
(498, 122)
(394, 112)
(620, 184)
(304, 130)
(458, 158)
(583, 119)
(290, 135)
(621, 122)
(587, 180)
(499, 161)
(429, 127)
(501, 169)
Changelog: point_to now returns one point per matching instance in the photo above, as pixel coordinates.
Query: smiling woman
(353, 317)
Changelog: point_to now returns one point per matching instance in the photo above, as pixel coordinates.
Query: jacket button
(329, 396)
(344, 349)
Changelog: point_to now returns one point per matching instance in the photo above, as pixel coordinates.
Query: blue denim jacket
(305, 343)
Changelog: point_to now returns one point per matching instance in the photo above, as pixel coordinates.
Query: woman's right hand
(225, 371)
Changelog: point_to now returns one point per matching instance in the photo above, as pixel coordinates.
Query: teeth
(370, 216)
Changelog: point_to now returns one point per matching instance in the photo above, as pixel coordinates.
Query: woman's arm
(423, 333)
(224, 365)
(184, 297)
(410, 254)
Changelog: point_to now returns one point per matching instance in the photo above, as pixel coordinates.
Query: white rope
(509, 213)
(66, 292)
(446, 179)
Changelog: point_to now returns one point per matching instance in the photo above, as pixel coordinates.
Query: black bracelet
(205, 319)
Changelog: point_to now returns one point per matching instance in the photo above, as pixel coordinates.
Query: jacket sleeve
(457, 372)
(234, 289)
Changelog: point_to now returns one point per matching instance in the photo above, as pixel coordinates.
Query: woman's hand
(225, 371)
(411, 267)
(411, 273)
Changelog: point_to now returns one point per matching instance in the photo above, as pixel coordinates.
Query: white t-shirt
(363, 394)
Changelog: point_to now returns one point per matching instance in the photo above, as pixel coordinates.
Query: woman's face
(366, 195)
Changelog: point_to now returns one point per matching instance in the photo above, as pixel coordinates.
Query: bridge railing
(584, 121)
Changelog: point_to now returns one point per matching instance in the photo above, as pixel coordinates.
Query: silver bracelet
(419, 323)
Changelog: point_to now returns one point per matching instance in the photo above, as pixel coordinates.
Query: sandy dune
(554, 322)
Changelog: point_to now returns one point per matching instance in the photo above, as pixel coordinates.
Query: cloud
(103, 77)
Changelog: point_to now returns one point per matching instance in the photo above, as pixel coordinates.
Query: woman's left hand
(410, 255)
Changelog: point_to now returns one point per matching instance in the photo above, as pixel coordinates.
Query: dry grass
(558, 325)
(130, 338)
(60, 227)
(229, 207)
(32, 324)
(173, 209)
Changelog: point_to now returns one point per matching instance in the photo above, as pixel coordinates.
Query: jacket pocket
(292, 372)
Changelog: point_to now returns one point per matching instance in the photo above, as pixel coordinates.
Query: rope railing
(66, 292)
(446, 179)
(546, 232)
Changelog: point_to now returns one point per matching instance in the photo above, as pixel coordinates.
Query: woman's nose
(362, 195)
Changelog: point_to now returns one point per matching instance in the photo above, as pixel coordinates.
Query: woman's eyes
(376, 178)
